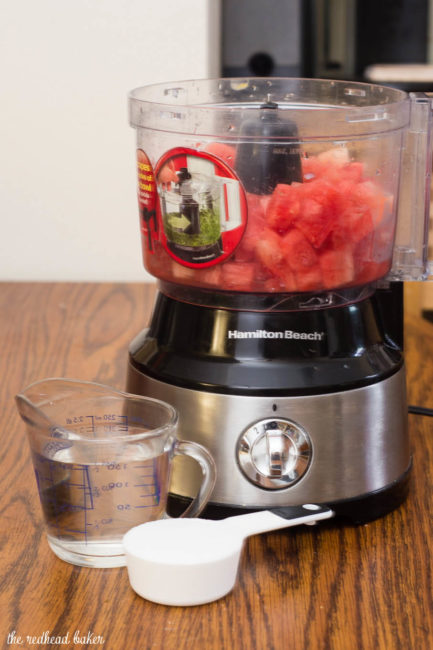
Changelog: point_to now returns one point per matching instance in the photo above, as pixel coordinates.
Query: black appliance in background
(342, 38)
(335, 39)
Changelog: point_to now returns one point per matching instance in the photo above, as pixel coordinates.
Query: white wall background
(68, 208)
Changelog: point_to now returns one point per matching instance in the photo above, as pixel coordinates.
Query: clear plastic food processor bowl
(282, 186)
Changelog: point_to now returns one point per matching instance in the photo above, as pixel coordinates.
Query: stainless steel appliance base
(356, 511)
(357, 440)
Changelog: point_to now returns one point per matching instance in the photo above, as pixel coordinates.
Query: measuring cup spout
(36, 403)
(30, 413)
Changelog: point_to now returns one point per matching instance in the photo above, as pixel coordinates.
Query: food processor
(280, 217)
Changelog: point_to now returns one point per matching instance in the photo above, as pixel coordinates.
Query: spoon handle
(275, 518)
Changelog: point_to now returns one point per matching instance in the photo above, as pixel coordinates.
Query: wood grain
(331, 587)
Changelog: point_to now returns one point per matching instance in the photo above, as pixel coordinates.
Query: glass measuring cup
(102, 460)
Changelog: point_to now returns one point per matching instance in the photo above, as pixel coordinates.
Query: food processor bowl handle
(410, 260)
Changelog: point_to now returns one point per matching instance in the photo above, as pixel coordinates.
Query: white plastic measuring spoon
(195, 561)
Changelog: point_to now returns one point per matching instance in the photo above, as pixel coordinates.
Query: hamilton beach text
(266, 334)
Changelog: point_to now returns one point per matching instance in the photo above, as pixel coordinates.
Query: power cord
(420, 410)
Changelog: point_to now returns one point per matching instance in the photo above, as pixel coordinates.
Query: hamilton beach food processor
(280, 217)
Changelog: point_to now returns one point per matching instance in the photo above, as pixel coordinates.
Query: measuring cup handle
(208, 469)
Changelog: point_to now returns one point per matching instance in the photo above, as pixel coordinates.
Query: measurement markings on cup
(92, 423)
(85, 486)
(150, 480)
(64, 489)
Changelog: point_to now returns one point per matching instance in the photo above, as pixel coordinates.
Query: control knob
(274, 453)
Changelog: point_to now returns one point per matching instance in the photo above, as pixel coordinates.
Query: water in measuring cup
(90, 502)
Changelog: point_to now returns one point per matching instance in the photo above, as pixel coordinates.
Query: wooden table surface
(328, 587)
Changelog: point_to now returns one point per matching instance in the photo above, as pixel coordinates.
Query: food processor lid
(320, 108)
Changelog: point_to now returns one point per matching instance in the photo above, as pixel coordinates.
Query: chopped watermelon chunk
(332, 165)
(299, 253)
(372, 196)
(255, 226)
(360, 209)
(238, 276)
(284, 206)
(312, 169)
(211, 276)
(335, 157)
(337, 267)
(309, 279)
(318, 214)
(383, 241)
(269, 251)
(353, 171)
